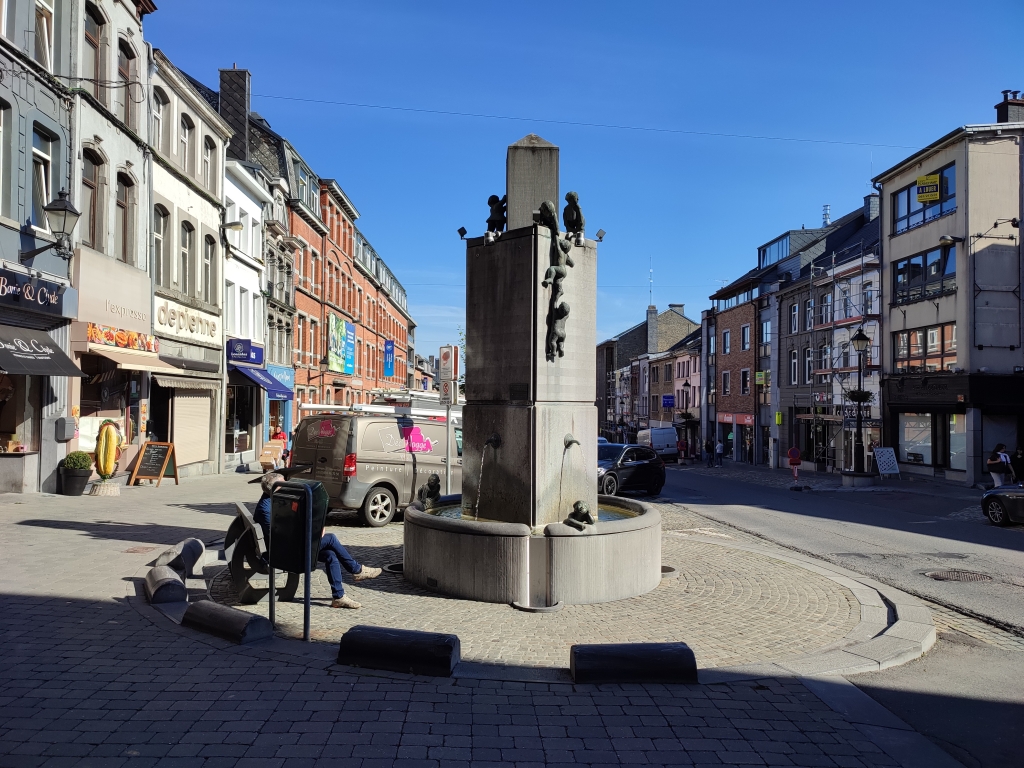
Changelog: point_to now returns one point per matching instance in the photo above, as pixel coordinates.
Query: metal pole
(308, 548)
(858, 438)
(449, 436)
(270, 562)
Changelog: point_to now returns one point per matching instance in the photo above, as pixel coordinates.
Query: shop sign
(724, 418)
(117, 337)
(389, 359)
(17, 290)
(113, 293)
(745, 418)
(928, 188)
(284, 375)
(186, 323)
(245, 352)
(341, 346)
(668, 401)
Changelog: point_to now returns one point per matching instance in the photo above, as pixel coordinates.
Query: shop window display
(19, 413)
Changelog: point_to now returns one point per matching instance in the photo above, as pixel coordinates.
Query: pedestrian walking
(998, 465)
(1017, 464)
(709, 453)
(719, 453)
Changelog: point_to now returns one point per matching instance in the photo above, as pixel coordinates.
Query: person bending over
(333, 555)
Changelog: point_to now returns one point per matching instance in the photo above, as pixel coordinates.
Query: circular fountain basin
(497, 562)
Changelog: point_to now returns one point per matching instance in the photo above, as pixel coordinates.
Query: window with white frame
(794, 317)
(161, 109)
(209, 270)
(44, 34)
(89, 201)
(187, 128)
(257, 317)
(808, 314)
(745, 337)
(230, 321)
(209, 164)
(244, 312)
(42, 163)
(745, 381)
(794, 367)
(91, 62)
(186, 250)
(808, 364)
(725, 382)
(123, 215)
(161, 254)
(243, 235)
(125, 105)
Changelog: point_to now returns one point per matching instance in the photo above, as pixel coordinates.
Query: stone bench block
(400, 650)
(164, 585)
(633, 663)
(224, 621)
(185, 556)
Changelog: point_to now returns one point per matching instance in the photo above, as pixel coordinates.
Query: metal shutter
(191, 426)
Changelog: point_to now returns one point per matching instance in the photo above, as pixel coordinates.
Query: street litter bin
(288, 524)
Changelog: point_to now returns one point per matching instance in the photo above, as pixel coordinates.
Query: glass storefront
(239, 433)
(958, 441)
(915, 436)
(19, 413)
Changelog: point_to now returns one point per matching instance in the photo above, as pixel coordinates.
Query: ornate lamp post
(860, 342)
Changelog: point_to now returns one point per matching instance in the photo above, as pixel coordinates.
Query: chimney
(678, 308)
(826, 215)
(871, 207)
(235, 90)
(1011, 108)
(652, 328)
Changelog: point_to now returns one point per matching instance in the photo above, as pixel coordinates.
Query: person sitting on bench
(332, 554)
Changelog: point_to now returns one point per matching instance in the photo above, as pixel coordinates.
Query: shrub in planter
(75, 472)
(860, 396)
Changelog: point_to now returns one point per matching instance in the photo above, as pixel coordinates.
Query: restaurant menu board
(156, 461)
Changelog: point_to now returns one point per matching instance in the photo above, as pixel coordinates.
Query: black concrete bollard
(164, 585)
(185, 556)
(224, 621)
(400, 650)
(633, 663)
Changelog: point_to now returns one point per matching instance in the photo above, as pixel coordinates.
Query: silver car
(375, 463)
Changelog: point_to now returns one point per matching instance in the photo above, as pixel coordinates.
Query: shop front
(948, 423)
(185, 407)
(726, 435)
(249, 388)
(35, 370)
(277, 407)
(113, 344)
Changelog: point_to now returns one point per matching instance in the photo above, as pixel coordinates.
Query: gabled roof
(687, 342)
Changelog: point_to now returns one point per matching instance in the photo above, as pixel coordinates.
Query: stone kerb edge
(874, 644)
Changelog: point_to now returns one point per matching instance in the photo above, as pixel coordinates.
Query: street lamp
(61, 217)
(860, 342)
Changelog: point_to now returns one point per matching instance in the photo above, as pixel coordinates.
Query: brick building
(734, 367)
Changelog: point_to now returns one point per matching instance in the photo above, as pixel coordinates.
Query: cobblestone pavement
(731, 607)
(778, 478)
(88, 680)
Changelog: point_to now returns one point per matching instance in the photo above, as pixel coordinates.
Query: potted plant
(75, 471)
(861, 396)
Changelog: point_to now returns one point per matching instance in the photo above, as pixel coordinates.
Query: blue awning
(275, 389)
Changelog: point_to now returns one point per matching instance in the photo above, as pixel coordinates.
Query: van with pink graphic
(375, 463)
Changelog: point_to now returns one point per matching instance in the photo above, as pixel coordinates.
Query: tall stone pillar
(975, 448)
(531, 393)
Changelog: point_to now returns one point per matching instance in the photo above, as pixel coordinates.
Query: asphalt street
(896, 536)
(964, 695)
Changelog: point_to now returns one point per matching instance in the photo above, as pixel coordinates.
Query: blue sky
(859, 85)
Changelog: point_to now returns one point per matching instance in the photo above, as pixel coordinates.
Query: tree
(462, 359)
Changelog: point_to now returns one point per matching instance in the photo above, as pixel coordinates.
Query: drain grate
(957, 576)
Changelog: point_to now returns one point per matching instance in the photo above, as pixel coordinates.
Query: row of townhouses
(905, 313)
(212, 281)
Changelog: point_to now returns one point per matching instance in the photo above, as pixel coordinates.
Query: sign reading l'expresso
(17, 290)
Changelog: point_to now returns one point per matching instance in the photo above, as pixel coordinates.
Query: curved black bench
(246, 553)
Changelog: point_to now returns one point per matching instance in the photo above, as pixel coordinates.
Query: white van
(662, 440)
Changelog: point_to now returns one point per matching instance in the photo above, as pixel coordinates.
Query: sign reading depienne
(448, 367)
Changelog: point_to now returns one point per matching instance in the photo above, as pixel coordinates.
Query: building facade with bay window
(952, 361)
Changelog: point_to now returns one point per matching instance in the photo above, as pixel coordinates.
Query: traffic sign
(449, 393)
(794, 456)
(448, 366)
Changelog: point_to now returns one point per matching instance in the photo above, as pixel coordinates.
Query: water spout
(568, 441)
(494, 441)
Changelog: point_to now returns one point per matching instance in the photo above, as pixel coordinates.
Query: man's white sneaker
(345, 602)
(368, 572)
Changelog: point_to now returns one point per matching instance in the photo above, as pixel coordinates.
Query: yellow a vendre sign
(928, 188)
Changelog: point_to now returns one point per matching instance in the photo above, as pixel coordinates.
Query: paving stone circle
(732, 607)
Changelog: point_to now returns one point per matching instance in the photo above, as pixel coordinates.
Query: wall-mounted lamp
(948, 240)
(462, 233)
(61, 217)
(600, 235)
(232, 226)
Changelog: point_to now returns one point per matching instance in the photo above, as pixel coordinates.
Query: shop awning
(27, 352)
(275, 389)
(133, 361)
(181, 382)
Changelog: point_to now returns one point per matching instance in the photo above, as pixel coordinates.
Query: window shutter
(192, 427)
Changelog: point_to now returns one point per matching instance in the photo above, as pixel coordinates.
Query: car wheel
(996, 512)
(609, 485)
(378, 507)
(655, 490)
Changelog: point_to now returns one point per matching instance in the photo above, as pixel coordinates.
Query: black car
(1005, 504)
(628, 468)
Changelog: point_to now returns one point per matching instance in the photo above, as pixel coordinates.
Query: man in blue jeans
(332, 554)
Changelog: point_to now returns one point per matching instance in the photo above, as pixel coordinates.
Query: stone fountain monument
(529, 528)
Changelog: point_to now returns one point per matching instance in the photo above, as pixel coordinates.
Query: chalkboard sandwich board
(156, 461)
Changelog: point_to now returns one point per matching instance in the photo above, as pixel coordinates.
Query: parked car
(602, 440)
(375, 463)
(629, 468)
(662, 439)
(1004, 505)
